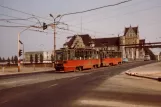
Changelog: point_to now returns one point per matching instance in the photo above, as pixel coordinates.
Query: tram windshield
(59, 55)
(62, 55)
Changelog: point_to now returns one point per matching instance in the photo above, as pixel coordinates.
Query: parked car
(125, 60)
(146, 58)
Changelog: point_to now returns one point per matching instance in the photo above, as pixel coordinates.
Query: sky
(106, 22)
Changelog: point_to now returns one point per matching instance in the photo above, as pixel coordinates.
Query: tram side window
(111, 55)
(64, 55)
(76, 54)
(72, 54)
(69, 57)
(107, 55)
(86, 54)
(82, 55)
(115, 54)
(90, 54)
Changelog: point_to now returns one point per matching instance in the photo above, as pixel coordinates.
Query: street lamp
(54, 28)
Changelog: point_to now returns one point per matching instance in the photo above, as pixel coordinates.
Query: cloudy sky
(106, 22)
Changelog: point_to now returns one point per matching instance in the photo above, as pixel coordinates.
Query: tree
(12, 60)
(31, 59)
(3, 60)
(41, 58)
(0, 59)
(36, 58)
(52, 58)
(8, 60)
(16, 59)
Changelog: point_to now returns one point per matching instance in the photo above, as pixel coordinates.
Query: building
(131, 36)
(46, 56)
(85, 41)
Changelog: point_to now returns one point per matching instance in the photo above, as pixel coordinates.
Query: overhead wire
(34, 21)
(30, 25)
(68, 13)
(24, 12)
(87, 16)
(26, 25)
(96, 8)
(94, 21)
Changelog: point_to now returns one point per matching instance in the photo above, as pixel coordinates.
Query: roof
(86, 39)
(106, 41)
(113, 41)
(134, 28)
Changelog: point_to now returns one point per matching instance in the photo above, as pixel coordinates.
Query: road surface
(66, 92)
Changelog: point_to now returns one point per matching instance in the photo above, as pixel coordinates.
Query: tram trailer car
(80, 59)
(110, 58)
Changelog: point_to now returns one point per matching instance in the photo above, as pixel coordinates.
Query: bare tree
(12, 60)
(0, 59)
(16, 59)
(8, 60)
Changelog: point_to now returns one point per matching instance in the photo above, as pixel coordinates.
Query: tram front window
(61, 55)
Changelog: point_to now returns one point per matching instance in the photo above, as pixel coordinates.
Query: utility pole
(23, 55)
(18, 52)
(54, 53)
(81, 25)
(54, 25)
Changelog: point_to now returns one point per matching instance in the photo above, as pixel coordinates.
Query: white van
(146, 58)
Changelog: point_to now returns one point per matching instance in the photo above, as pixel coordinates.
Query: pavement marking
(52, 85)
(105, 103)
(74, 78)
(16, 81)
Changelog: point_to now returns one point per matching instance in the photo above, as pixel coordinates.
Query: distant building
(46, 56)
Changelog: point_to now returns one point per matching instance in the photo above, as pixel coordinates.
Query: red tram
(80, 59)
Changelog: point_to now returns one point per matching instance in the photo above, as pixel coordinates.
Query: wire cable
(96, 8)
(68, 13)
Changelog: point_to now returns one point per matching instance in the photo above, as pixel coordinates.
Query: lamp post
(23, 54)
(54, 28)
